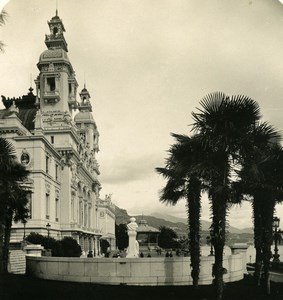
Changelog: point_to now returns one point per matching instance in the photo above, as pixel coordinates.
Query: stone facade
(59, 148)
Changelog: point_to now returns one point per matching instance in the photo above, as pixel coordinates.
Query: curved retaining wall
(131, 271)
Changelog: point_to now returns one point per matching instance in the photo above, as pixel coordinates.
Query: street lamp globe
(276, 236)
(276, 222)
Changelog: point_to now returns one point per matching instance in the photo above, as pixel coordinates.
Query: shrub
(68, 247)
(104, 244)
(36, 238)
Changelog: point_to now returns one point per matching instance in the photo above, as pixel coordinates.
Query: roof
(27, 116)
(52, 55)
(25, 104)
(144, 227)
(84, 117)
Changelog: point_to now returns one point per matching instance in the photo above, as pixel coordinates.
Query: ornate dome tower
(56, 84)
(85, 122)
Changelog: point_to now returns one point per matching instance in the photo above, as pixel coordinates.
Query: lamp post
(48, 232)
(24, 222)
(276, 235)
(209, 241)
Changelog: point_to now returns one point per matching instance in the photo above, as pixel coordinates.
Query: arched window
(55, 30)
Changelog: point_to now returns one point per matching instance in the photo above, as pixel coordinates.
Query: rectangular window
(56, 209)
(81, 213)
(56, 172)
(51, 84)
(85, 215)
(47, 206)
(52, 139)
(89, 217)
(72, 208)
(47, 163)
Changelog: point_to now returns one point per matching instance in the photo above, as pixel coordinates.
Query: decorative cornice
(49, 146)
(16, 130)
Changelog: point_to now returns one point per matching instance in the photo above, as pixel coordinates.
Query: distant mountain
(247, 230)
(178, 224)
(122, 216)
(205, 225)
(169, 218)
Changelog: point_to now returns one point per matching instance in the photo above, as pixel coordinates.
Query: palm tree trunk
(194, 208)
(258, 236)
(2, 234)
(219, 206)
(7, 242)
(268, 210)
(3, 216)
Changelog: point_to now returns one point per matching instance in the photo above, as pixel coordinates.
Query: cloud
(128, 169)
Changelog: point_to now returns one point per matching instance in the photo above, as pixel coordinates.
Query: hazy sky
(147, 64)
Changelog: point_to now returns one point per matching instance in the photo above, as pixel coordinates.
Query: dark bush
(121, 233)
(36, 238)
(68, 247)
(104, 245)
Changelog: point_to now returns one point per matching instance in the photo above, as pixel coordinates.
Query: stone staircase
(17, 262)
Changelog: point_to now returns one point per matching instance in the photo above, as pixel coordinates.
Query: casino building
(56, 138)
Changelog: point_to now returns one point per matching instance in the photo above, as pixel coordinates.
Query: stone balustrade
(131, 271)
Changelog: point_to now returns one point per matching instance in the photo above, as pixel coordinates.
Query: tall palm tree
(13, 197)
(223, 123)
(262, 178)
(264, 140)
(183, 182)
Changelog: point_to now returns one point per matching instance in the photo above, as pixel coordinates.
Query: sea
(205, 250)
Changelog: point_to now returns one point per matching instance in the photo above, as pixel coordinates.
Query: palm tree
(3, 17)
(13, 197)
(262, 178)
(183, 182)
(223, 124)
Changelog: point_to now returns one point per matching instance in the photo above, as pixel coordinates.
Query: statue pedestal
(132, 248)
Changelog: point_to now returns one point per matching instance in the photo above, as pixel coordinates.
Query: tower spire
(56, 39)
(56, 8)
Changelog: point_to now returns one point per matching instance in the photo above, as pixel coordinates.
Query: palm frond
(3, 17)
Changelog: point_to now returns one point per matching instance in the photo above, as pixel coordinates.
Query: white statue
(133, 248)
(38, 120)
(132, 226)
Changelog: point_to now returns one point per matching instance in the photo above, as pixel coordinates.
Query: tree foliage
(121, 234)
(3, 18)
(228, 133)
(104, 245)
(13, 197)
(262, 179)
(183, 181)
(168, 238)
(224, 125)
(70, 247)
